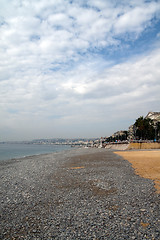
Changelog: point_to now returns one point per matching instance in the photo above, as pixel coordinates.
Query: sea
(20, 150)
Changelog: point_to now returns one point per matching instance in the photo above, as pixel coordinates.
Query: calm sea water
(12, 150)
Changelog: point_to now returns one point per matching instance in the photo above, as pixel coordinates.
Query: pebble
(42, 198)
(142, 210)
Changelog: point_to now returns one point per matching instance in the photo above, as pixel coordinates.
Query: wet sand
(146, 163)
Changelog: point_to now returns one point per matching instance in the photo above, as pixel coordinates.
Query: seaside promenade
(79, 194)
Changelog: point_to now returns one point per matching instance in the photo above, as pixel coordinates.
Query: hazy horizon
(77, 69)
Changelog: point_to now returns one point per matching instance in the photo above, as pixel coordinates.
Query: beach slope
(78, 194)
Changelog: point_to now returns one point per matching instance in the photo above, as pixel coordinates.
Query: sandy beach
(77, 194)
(146, 163)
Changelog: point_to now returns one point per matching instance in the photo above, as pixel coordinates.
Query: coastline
(79, 193)
(10, 151)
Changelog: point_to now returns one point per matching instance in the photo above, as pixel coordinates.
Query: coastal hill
(155, 116)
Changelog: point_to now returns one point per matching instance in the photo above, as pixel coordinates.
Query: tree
(145, 128)
(157, 131)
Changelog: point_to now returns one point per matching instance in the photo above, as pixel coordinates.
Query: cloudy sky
(81, 68)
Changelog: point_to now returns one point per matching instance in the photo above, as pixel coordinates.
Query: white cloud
(136, 19)
(50, 73)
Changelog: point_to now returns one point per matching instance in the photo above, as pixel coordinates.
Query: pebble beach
(77, 194)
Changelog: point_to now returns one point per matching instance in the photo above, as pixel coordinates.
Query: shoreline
(31, 156)
(78, 194)
(13, 151)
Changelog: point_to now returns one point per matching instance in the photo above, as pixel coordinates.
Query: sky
(81, 68)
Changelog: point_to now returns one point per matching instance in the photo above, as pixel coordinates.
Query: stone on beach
(78, 194)
(146, 163)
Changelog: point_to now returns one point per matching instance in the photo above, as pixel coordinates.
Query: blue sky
(77, 68)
